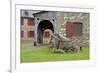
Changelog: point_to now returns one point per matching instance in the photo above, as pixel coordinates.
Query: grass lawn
(29, 53)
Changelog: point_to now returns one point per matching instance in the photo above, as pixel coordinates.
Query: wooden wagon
(61, 44)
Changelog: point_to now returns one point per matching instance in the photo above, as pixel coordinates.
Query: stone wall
(59, 19)
(63, 17)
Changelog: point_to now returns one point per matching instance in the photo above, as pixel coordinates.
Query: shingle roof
(28, 13)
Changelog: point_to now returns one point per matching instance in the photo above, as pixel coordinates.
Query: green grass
(41, 54)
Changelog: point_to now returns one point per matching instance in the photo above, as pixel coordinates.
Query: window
(30, 33)
(73, 29)
(22, 33)
(22, 21)
(30, 22)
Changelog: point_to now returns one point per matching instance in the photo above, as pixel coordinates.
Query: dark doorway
(43, 25)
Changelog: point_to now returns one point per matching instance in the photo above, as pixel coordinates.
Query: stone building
(69, 24)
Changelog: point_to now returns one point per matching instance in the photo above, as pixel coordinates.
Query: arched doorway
(42, 26)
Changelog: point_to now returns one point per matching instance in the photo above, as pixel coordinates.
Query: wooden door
(69, 29)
